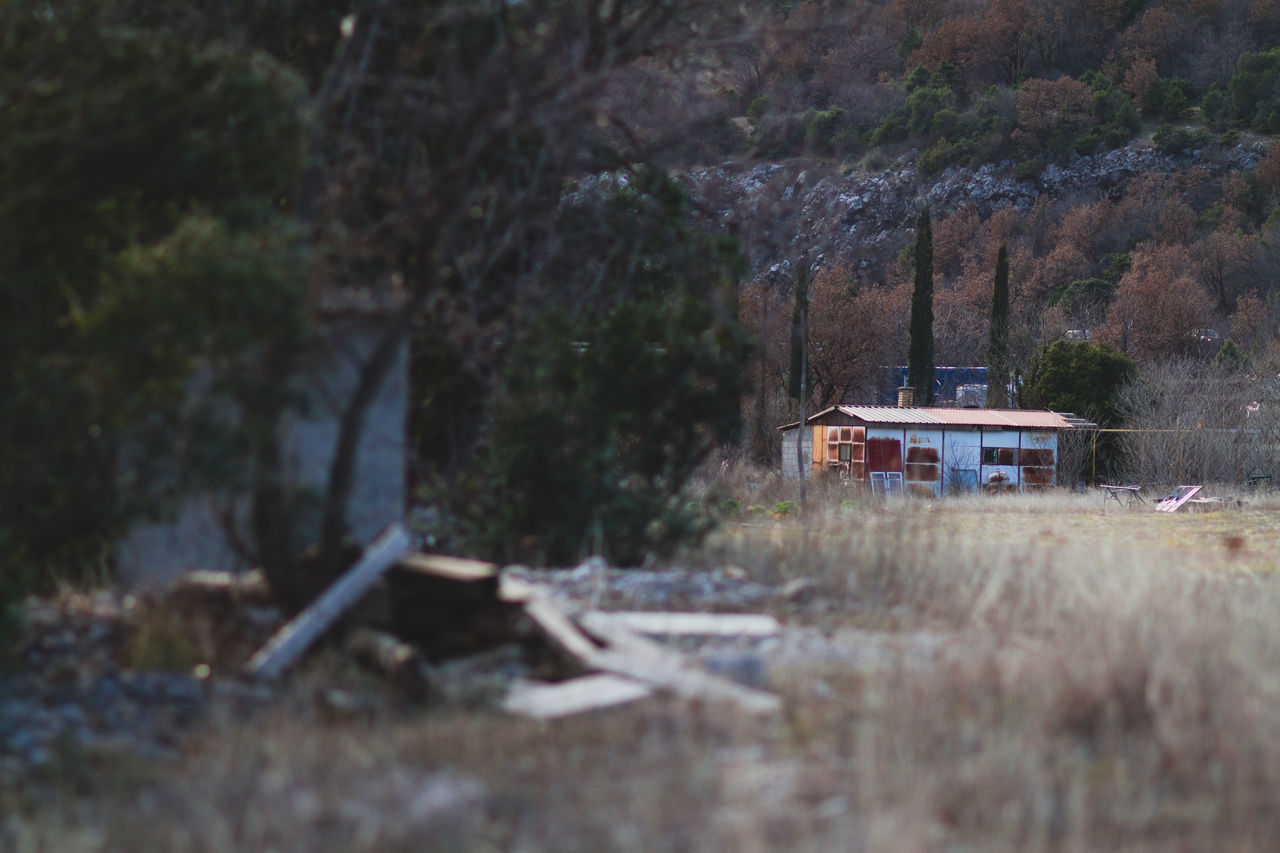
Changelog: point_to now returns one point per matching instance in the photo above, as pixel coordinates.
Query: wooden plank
(668, 624)
(638, 657)
(619, 638)
(296, 637)
(450, 568)
(206, 588)
(400, 663)
(630, 654)
(515, 590)
(687, 682)
(561, 630)
(575, 696)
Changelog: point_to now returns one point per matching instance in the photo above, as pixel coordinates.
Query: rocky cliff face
(863, 219)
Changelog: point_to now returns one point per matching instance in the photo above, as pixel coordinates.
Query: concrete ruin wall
(156, 552)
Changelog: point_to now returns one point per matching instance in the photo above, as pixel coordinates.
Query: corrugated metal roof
(920, 416)
(1010, 418)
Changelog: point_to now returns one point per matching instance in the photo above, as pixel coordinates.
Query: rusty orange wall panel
(920, 472)
(1037, 476)
(923, 464)
(819, 442)
(1037, 457)
(884, 454)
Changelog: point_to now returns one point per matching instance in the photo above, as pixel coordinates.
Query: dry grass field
(1055, 673)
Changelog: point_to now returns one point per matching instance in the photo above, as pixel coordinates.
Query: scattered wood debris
(1177, 498)
(1189, 497)
(442, 606)
(401, 664)
(294, 638)
(450, 606)
(587, 693)
(631, 654)
(694, 624)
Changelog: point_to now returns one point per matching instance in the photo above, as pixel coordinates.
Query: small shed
(932, 450)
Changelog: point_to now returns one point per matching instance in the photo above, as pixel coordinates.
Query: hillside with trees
(1122, 152)
(605, 179)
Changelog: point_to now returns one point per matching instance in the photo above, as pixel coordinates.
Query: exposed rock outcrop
(863, 218)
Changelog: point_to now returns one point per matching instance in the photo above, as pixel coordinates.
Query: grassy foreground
(1096, 677)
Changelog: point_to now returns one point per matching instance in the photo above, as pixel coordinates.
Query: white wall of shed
(961, 452)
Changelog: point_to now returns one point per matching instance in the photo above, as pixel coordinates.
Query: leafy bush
(603, 413)
(923, 106)
(157, 251)
(1084, 292)
(1170, 98)
(759, 108)
(1251, 98)
(939, 156)
(784, 508)
(1028, 170)
(1078, 376)
(828, 131)
(1087, 379)
(1170, 139)
(1230, 356)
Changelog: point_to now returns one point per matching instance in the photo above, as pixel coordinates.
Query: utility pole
(804, 406)
(800, 362)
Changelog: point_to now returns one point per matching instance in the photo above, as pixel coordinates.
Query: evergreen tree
(920, 334)
(998, 345)
(1080, 377)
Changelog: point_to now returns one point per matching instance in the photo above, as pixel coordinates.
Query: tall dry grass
(1111, 681)
(1095, 677)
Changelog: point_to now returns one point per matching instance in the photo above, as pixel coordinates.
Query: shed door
(884, 454)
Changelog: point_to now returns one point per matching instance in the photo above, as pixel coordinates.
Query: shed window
(846, 450)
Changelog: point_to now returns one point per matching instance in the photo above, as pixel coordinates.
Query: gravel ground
(67, 693)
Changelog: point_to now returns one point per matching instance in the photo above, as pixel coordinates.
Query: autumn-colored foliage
(1160, 310)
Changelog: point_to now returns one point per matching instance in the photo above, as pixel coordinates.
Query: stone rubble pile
(66, 692)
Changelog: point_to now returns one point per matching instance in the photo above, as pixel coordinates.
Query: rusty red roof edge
(935, 416)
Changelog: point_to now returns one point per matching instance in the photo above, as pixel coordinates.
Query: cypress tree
(998, 343)
(920, 334)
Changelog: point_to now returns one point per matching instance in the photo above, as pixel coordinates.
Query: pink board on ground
(1180, 495)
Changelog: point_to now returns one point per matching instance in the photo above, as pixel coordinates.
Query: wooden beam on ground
(561, 630)
(635, 656)
(661, 624)
(632, 655)
(296, 637)
(450, 568)
(688, 682)
(202, 588)
(621, 639)
(514, 590)
(587, 693)
(400, 663)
